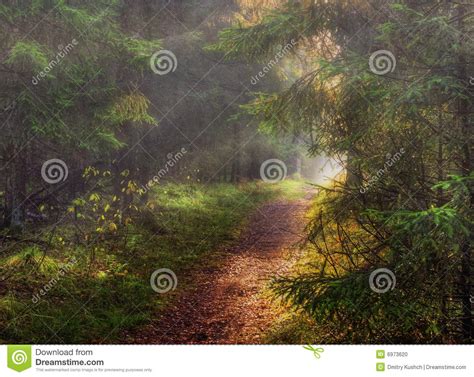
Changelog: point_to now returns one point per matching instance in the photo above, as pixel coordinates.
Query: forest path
(227, 304)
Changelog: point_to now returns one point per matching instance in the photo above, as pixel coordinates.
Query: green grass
(106, 288)
(293, 328)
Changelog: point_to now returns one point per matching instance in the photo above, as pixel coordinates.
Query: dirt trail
(226, 305)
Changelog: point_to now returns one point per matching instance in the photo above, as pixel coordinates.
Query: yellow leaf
(94, 197)
(151, 205)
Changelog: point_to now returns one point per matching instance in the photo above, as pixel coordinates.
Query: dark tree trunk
(15, 193)
(235, 171)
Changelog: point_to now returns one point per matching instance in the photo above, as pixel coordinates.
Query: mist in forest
(320, 150)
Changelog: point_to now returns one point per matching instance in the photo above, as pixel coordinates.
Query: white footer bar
(239, 360)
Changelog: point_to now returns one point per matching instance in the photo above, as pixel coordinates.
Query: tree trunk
(235, 171)
(15, 193)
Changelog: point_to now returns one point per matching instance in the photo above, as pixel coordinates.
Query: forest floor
(229, 303)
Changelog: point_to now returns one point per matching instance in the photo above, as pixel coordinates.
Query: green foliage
(131, 107)
(140, 50)
(107, 289)
(27, 55)
(261, 41)
(402, 213)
